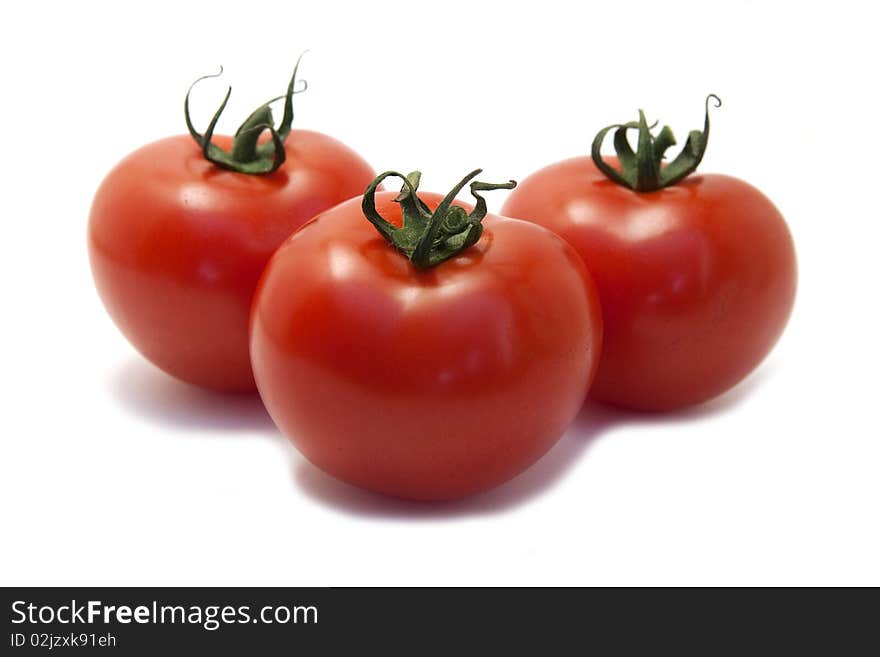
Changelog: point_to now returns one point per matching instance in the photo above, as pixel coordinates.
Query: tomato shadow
(146, 391)
(727, 402)
(593, 422)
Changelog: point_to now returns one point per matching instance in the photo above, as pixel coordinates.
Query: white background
(115, 474)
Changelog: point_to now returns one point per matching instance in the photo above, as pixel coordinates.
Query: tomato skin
(177, 245)
(426, 385)
(696, 281)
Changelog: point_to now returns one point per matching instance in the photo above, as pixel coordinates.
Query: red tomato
(696, 280)
(423, 383)
(177, 245)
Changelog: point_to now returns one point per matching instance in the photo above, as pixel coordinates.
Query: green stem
(247, 137)
(247, 155)
(642, 170)
(429, 238)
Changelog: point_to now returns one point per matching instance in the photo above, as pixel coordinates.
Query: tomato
(177, 243)
(696, 279)
(429, 381)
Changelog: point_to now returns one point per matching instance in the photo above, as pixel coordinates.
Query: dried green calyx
(642, 170)
(247, 155)
(428, 238)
